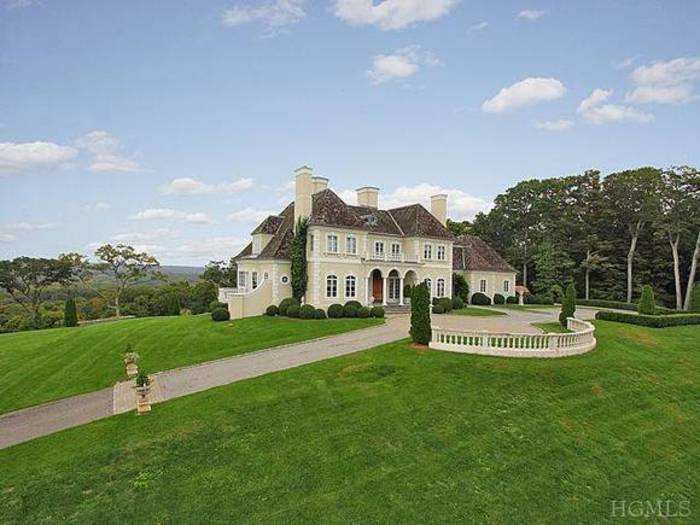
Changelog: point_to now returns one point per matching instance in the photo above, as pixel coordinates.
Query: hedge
(481, 299)
(652, 321)
(457, 303)
(538, 299)
(438, 309)
(499, 299)
(512, 299)
(319, 314)
(377, 311)
(350, 310)
(363, 312)
(293, 311)
(286, 303)
(335, 311)
(307, 312)
(621, 305)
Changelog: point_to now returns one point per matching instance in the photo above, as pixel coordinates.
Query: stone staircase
(395, 309)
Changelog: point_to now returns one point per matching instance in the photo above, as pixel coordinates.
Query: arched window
(429, 284)
(331, 286)
(441, 287)
(350, 286)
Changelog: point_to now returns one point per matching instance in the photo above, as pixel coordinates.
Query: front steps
(395, 309)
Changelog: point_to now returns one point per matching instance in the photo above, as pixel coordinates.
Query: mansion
(360, 252)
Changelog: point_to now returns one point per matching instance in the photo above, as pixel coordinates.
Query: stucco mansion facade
(360, 252)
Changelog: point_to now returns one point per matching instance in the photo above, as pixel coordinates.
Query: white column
(401, 291)
(384, 279)
(367, 281)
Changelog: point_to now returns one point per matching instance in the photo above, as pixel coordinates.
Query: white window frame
(396, 250)
(242, 279)
(506, 286)
(441, 253)
(379, 253)
(351, 240)
(429, 283)
(350, 286)
(330, 239)
(440, 291)
(427, 251)
(483, 285)
(331, 286)
(254, 280)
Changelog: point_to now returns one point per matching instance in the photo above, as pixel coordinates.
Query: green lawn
(50, 364)
(552, 328)
(476, 312)
(394, 434)
(527, 307)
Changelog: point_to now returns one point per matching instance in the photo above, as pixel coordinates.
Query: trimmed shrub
(272, 310)
(438, 309)
(293, 311)
(435, 301)
(538, 299)
(457, 303)
(568, 305)
(377, 311)
(646, 303)
(142, 378)
(216, 304)
(421, 331)
(499, 299)
(460, 287)
(446, 304)
(350, 310)
(356, 304)
(481, 299)
(307, 312)
(651, 321)
(335, 311)
(220, 314)
(557, 294)
(620, 305)
(70, 313)
(285, 304)
(512, 299)
(407, 289)
(363, 312)
(319, 314)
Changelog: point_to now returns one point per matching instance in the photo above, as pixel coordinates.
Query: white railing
(389, 257)
(581, 340)
(225, 293)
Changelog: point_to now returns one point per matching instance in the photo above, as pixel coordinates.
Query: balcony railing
(393, 257)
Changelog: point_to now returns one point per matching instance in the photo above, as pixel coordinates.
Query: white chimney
(303, 189)
(368, 196)
(438, 207)
(319, 184)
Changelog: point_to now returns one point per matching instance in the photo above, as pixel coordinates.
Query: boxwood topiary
(499, 299)
(220, 314)
(421, 331)
(446, 304)
(216, 304)
(293, 311)
(438, 309)
(272, 310)
(307, 312)
(286, 303)
(457, 303)
(335, 311)
(356, 304)
(363, 312)
(377, 311)
(646, 303)
(349, 310)
(482, 299)
(512, 299)
(319, 314)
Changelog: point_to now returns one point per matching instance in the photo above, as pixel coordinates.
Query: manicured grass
(477, 312)
(51, 364)
(394, 434)
(527, 307)
(552, 328)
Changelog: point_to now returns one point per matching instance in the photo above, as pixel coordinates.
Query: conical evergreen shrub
(421, 331)
(70, 313)
(646, 303)
(568, 304)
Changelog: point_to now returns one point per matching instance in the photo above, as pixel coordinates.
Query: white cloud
(190, 186)
(660, 94)
(478, 27)
(7, 237)
(168, 213)
(211, 248)
(524, 93)
(33, 226)
(555, 125)
(460, 204)
(530, 14)
(149, 236)
(273, 16)
(391, 14)
(676, 71)
(21, 156)
(594, 110)
(248, 215)
(105, 149)
(97, 207)
(403, 63)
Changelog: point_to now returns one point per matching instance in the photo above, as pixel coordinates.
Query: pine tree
(646, 303)
(568, 305)
(70, 313)
(421, 331)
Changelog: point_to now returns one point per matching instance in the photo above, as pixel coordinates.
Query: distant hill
(188, 273)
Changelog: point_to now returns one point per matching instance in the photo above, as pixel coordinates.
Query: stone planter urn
(143, 401)
(132, 369)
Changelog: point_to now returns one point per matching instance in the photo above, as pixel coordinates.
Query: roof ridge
(396, 223)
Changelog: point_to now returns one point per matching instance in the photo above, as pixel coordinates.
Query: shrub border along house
(480, 299)
(651, 321)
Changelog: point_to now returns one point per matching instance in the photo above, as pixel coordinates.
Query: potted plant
(131, 360)
(143, 387)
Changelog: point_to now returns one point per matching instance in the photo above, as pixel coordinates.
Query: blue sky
(174, 126)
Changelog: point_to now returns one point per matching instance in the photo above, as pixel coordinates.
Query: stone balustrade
(579, 341)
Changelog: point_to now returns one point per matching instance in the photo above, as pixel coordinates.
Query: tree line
(610, 235)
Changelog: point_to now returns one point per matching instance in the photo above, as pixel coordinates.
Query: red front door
(377, 288)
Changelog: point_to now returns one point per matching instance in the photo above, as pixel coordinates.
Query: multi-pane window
(428, 251)
(351, 244)
(331, 286)
(441, 287)
(254, 280)
(506, 286)
(429, 284)
(482, 286)
(242, 279)
(395, 250)
(332, 243)
(311, 243)
(379, 248)
(350, 286)
(441, 253)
